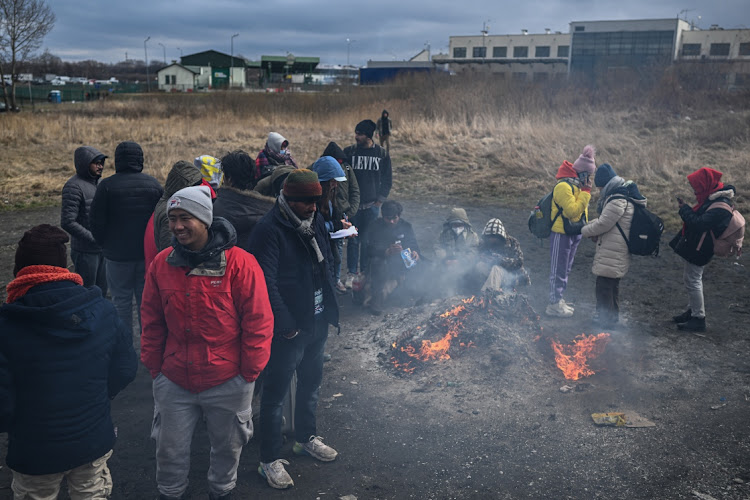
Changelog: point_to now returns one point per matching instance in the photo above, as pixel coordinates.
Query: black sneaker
(682, 318)
(693, 325)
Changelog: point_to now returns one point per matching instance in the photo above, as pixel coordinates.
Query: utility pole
(231, 69)
(164, 52)
(148, 78)
(349, 42)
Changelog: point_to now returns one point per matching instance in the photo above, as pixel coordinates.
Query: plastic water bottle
(406, 256)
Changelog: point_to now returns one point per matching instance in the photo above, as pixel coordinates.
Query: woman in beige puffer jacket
(612, 260)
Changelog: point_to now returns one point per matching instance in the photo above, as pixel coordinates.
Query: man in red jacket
(207, 329)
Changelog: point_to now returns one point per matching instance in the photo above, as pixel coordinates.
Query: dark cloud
(383, 30)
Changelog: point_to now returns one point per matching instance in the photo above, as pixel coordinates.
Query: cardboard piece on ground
(627, 418)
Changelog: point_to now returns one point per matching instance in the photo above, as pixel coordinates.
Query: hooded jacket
(122, 205)
(77, 195)
(243, 209)
(288, 267)
(612, 258)
(451, 245)
(183, 174)
(569, 196)
(206, 315)
(347, 192)
(64, 353)
(698, 220)
(271, 185)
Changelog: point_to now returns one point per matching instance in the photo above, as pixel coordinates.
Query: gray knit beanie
(195, 200)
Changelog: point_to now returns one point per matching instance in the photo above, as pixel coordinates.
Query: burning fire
(438, 350)
(572, 359)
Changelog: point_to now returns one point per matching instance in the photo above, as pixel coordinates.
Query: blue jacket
(64, 353)
(288, 267)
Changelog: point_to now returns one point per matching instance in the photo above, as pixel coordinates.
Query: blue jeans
(303, 354)
(91, 268)
(356, 247)
(126, 279)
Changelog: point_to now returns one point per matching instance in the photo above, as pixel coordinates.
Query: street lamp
(231, 70)
(164, 52)
(349, 42)
(148, 78)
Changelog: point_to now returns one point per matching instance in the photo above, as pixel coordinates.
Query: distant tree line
(131, 70)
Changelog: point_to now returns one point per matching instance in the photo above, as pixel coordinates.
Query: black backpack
(645, 230)
(541, 220)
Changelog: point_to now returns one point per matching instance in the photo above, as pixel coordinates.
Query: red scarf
(705, 181)
(31, 276)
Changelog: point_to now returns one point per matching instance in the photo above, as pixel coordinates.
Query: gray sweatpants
(692, 276)
(228, 414)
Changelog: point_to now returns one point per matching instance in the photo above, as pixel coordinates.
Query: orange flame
(428, 349)
(573, 359)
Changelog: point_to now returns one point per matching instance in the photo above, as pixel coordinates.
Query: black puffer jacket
(243, 209)
(64, 353)
(77, 195)
(697, 223)
(287, 263)
(123, 204)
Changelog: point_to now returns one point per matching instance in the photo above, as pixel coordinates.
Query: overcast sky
(381, 30)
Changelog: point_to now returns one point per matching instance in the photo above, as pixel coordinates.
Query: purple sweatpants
(562, 251)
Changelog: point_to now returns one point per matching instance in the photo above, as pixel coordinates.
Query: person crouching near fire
(207, 327)
(612, 258)
(499, 260)
(292, 246)
(64, 354)
(390, 236)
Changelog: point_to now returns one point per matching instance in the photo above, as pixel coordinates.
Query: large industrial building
(600, 48)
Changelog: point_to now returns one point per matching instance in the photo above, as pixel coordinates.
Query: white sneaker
(559, 310)
(276, 475)
(349, 279)
(567, 306)
(316, 448)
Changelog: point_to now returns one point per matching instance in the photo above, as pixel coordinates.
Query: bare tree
(23, 26)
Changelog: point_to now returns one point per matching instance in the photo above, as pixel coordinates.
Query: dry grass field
(459, 138)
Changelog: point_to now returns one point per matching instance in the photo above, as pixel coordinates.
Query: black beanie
(42, 245)
(603, 175)
(366, 127)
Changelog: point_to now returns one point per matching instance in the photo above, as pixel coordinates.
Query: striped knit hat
(302, 185)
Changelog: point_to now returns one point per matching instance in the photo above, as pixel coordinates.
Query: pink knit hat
(585, 162)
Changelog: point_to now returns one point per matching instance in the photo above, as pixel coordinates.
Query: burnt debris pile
(502, 326)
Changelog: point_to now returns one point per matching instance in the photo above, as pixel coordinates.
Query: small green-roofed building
(216, 70)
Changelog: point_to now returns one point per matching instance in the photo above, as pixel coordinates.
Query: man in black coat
(292, 246)
(122, 206)
(77, 195)
(372, 166)
(64, 354)
(235, 199)
(389, 237)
